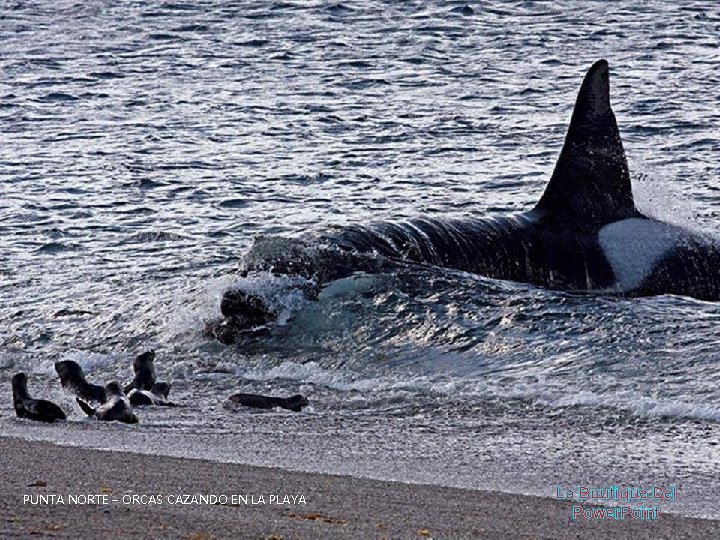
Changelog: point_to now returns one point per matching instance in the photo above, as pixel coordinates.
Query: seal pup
(40, 410)
(117, 407)
(144, 368)
(585, 233)
(157, 395)
(293, 403)
(72, 378)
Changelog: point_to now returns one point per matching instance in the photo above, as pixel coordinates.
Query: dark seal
(293, 403)
(40, 410)
(73, 379)
(157, 395)
(117, 407)
(144, 369)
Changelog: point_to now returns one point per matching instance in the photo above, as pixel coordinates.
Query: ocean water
(144, 145)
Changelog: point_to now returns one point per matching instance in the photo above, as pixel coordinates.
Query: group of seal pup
(115, 402)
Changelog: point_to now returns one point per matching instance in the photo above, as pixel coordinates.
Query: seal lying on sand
(117, 407)
(144, 368)
(157, 395)
(72, 378)
(293, 403)
(33, 409)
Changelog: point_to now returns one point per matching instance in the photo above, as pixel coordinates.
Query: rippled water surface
(144, 145)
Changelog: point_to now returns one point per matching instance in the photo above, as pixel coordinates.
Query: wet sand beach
(153, 498)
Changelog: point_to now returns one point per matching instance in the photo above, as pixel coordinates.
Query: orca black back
(591, 181)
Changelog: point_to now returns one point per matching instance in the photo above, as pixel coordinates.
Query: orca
(585, 234)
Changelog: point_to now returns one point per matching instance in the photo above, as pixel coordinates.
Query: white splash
(87, 360)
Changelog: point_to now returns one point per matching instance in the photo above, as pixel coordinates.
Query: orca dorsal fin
(591, 181)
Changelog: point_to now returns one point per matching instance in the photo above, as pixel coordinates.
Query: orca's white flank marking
(634, 247)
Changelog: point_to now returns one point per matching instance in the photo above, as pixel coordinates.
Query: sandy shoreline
(335, 506)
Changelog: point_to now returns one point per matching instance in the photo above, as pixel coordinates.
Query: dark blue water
(145, 145)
